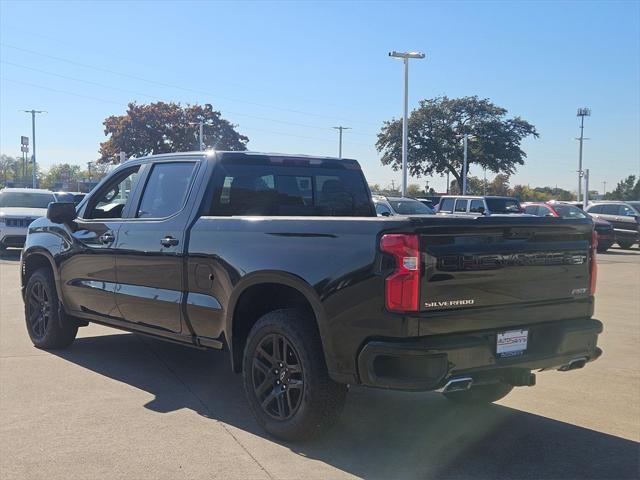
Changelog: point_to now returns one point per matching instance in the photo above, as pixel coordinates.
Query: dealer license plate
(512, 342)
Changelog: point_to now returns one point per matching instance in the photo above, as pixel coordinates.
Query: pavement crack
(203, 405)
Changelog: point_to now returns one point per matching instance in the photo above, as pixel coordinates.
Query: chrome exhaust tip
(574, 364)
(457, 385)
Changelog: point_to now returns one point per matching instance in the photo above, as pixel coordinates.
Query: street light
(582, 112)
(405, 56)
(465, 166)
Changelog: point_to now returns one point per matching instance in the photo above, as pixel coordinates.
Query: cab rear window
(289, 191)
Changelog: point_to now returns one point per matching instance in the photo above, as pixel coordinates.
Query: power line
(102, 85)
(168, 85)
(98, 99)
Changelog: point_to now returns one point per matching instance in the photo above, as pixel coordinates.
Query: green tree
(166, 127)
(63, 172)
(8, 168)
(627, 189)
(434, 143)
(475, 186)
(414, 190)
(499, 185)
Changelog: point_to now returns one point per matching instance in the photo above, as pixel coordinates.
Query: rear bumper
(426, 363)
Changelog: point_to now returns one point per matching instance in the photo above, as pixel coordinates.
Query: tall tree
(435, 146)
(62, 172)
(627, 189)
(167, 127)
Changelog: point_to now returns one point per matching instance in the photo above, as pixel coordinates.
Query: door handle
(169, 241)
(106, 238)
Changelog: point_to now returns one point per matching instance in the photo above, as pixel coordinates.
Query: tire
(286, 341)
(481, 393)
(602, 250)
(625, 244)
(48, 326)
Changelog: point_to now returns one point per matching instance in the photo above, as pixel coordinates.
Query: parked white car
(18, 208)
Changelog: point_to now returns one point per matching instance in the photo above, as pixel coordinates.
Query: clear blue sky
(285, 73)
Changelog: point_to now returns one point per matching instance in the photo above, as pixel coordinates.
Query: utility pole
(582, 112)
(447, 182)
(200, 133)
(33, 141)
(340, 129)
(465, 165)
(405, 118)
(585, 201)
(604, 188)
(484, 184)
(393, 185)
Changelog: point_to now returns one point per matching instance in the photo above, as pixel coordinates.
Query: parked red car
(606, 235)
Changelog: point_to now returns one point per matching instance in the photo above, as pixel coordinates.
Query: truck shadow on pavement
(380, 434)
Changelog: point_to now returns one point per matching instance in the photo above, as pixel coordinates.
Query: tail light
(402, 287)
(594, 264)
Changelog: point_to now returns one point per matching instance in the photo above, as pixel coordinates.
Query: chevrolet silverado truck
(281, 261)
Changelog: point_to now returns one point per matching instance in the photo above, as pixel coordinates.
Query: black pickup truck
(282, 261)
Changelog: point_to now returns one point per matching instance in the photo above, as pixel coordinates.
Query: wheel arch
(33, 259)
(237, 329)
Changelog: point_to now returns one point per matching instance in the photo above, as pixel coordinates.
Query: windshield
(635, 205)
(569, 211)
(503, 205)
(410, 207)
(26, 199)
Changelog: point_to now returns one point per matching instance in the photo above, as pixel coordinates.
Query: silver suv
(625, 217)
(476, 205)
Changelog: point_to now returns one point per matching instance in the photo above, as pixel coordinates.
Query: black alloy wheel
(278, 380)
(49, 327)
(38, 309)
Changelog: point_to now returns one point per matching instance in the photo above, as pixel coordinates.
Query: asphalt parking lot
(117, 405)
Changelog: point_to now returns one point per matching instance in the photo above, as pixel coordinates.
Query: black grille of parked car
(19, 222)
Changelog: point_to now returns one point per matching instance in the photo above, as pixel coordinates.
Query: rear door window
(610, 209)
(446, 205)
(268, 190)
(477, 206)
(461, 205)
(166, 190)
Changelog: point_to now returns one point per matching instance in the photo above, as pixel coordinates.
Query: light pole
(340, 129)
(33, 141)
(405, 120)
(465, 164)
(582, 112)
(200, 133)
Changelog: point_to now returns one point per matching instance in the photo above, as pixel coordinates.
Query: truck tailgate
(504, 261)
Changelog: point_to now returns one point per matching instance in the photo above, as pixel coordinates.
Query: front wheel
(481, 393)
(48, 326)
(626, 245)
(286, 379)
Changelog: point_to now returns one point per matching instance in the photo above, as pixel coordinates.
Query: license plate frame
(512, 343)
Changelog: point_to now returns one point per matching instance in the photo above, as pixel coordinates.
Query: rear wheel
(286, 379)
(625, 244)
(481, 393)
(48, 326)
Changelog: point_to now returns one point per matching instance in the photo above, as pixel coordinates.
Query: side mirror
(61, 212)
(385, 214)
